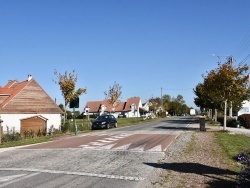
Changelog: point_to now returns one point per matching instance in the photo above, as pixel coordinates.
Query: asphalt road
(110, 158)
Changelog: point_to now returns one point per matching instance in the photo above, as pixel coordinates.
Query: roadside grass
(224, 148)
(232, 144)
(27, 141)
(190, 145)
(84, 125)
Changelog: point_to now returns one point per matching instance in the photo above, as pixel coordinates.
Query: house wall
(245, 108)
(12, 121)
(137, 112)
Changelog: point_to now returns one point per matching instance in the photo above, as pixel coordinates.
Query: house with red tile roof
(132, 107)
(25, 105)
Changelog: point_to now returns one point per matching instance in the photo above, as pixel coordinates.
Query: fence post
(1, 132)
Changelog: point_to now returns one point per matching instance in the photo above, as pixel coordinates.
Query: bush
(29, 134)
(11, 137)
(243, 180)
(231, 122)
(65, 127)
(161, 114)
(245, 120)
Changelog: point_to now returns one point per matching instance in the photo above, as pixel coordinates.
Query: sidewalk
(239, 131)
(218, 128)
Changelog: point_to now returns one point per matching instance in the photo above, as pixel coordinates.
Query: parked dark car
(104, 121)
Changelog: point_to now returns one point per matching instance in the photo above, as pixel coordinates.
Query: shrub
(244, 157)
(51, 130)
(11, 136)
(29, 134)
(41, 133)
(231, 122)
(65, 127)
(161, 114)
(243, 180)
(245, 120)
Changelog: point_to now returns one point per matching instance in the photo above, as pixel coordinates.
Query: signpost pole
(75, 126)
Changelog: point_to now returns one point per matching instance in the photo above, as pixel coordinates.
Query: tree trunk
(225, 116)
(215, 115)
(210, 114)
(231, 109)
(65, 113)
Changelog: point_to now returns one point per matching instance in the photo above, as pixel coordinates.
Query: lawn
(233, 144)
(84, 125)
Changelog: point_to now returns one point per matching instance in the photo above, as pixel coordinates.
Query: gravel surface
(193, 160)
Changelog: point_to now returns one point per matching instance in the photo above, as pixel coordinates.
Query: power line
(246, 58)
(171, 89)
(244, 44)
(161, 89)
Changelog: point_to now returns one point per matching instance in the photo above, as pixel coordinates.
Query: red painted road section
(142, 142)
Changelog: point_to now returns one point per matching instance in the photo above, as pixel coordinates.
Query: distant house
(132, 107)
(25, 106)
(245, 108)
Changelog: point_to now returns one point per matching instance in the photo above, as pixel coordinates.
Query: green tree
(224, 84)
(155, 104)
(166, 99)
(180, 99)
(61, 107)
(185, 109)
(174, 106)
(200, 100)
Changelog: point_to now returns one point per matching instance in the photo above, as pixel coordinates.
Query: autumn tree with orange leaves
(223, 85)
(67, 83)
(113, 95)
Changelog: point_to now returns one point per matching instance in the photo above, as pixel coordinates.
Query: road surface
(117, 157)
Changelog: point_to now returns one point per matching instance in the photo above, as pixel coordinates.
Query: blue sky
(143, 45)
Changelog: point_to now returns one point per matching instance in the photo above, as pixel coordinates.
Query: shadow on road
(180, 124)
(217, 175)
(178, 128)
(181, 121)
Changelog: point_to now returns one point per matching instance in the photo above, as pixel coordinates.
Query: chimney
(29, 77)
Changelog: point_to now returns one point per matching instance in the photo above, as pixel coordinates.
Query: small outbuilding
(37, 124)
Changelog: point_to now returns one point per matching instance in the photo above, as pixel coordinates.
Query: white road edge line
(18, 179)
(74, 173)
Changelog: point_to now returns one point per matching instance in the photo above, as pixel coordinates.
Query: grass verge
(27, 141)
(232, 144)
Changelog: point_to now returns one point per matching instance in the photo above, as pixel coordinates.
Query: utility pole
(231, 103)
(161, 100)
